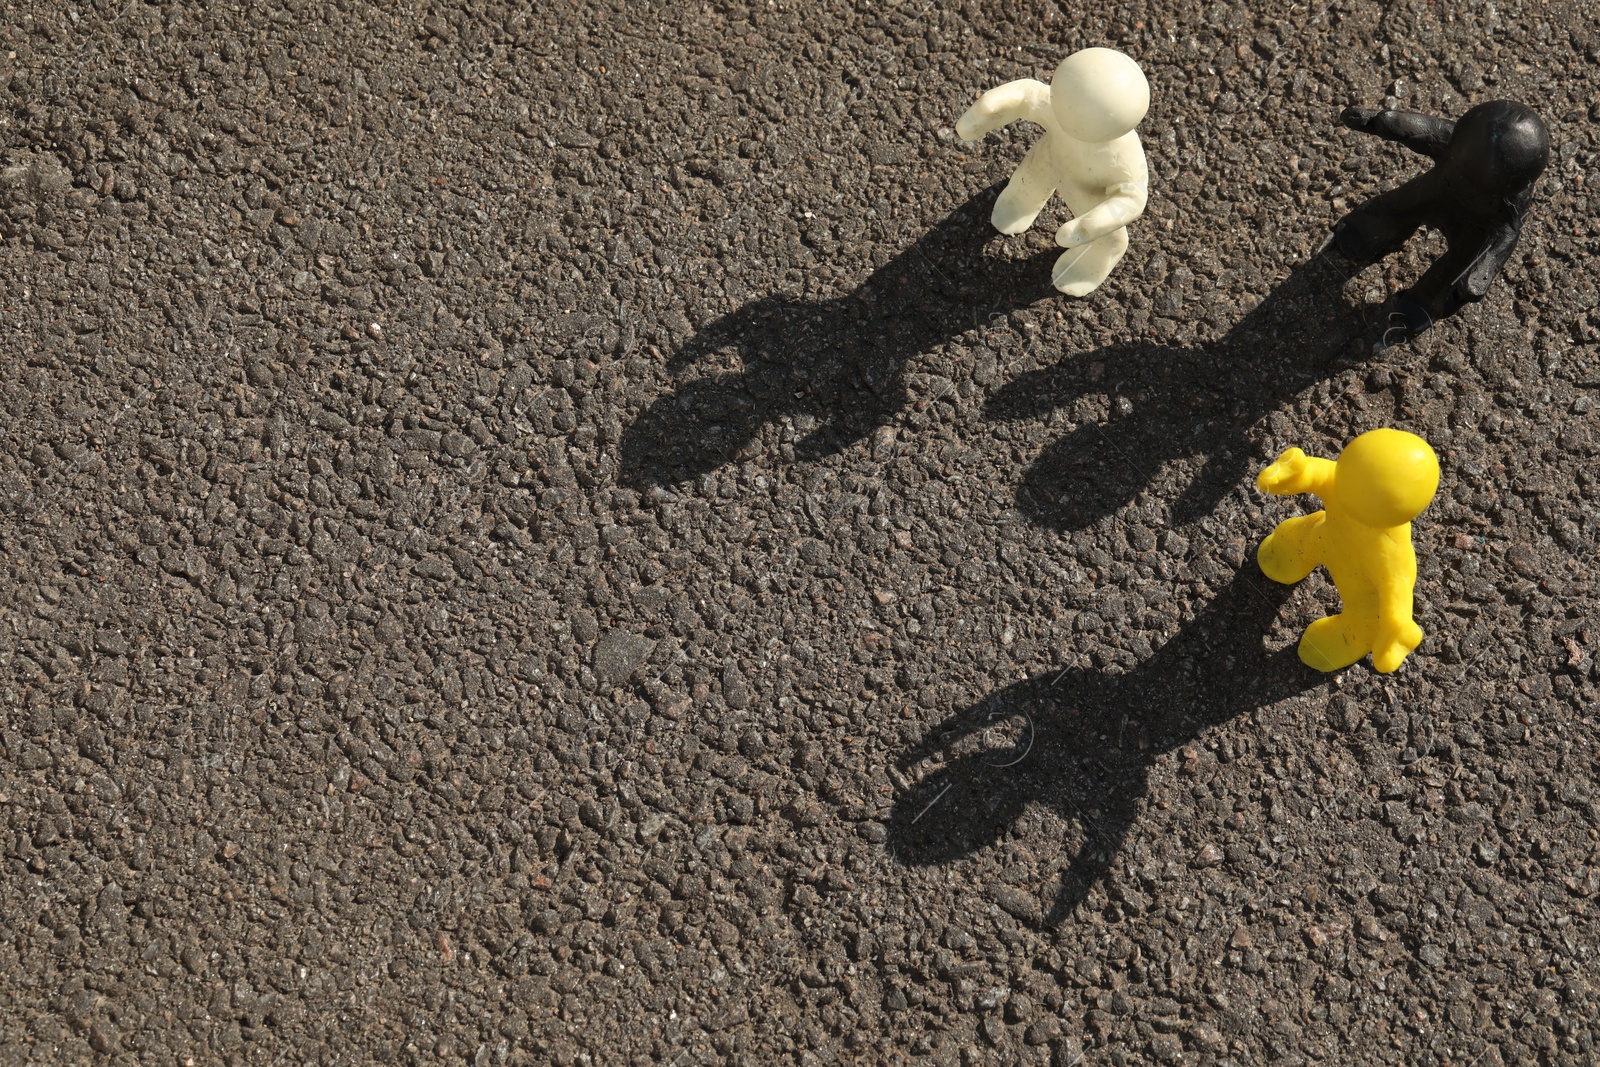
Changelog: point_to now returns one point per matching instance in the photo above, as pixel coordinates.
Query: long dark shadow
(841, 361)
(1182, 402)
(1081, 742)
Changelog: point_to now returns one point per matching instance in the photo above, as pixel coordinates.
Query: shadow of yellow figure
(1380, 482)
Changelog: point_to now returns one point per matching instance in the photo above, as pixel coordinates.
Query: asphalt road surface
(558, 534)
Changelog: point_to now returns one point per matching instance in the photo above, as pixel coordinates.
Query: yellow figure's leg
(1026, 193)
(1388, 655)
(1290, 552)
(1338, 641)
(1334, 643)
(1079, 271)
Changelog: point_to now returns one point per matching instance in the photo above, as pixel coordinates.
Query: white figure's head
(1099, 94)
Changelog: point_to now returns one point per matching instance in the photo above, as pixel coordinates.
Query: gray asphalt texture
(558, 534)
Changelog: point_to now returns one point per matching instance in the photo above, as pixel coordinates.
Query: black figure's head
(1501, 147)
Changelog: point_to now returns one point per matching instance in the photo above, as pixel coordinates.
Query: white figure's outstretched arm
(1124, 205)
(1001, 106)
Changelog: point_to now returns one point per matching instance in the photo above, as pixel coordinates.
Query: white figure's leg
(1025, 195)
(1080, 270)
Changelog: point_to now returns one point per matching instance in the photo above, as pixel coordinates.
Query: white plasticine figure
(1089, 155)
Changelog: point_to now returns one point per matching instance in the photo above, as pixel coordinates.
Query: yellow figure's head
(1386, 478)
(1099, 94)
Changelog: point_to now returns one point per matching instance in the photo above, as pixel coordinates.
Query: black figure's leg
(1382, 224)
(1435, 295)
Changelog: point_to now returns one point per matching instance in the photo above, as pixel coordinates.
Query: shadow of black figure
(1170, 403)
(1084, 741)
(841, 361)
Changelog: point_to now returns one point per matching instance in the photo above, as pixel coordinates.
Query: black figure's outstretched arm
(1421, 133)
(1474, 282)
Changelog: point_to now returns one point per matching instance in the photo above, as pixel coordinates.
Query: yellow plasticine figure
(1380, 482)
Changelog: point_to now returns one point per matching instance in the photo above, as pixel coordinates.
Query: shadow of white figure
(1089, 156)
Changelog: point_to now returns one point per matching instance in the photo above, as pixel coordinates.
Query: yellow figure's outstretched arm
(1292, 550)
(1022, 99)
(1295, 472)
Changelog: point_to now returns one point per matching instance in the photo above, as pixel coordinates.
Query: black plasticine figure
(1477, 195)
